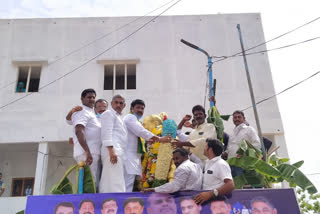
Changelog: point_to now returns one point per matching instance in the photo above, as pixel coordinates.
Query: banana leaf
(294, 176)
(275, 160)
(225, 117)
(215, 118)
(240, 181)
(249, 163)
(20, 212)
(64, 186)
(298, 164)
(254, 178)
(89, 185)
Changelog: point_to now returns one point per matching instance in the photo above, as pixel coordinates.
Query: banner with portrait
(273, 201)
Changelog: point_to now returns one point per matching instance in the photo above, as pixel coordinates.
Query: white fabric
(188, 176)
(94, 167)
(112, 176)
(198, 137)
(215, 171)
(69, 122)
(129, 180)
(113, 132)
(88, 119)
(135, 130)
(196, 160)
(182, 136)
(242, 132)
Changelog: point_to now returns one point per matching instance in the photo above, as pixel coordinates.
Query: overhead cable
(93, 58)
(97, 39)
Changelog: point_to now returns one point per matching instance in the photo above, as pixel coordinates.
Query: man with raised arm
(86, 135)
(197, 138)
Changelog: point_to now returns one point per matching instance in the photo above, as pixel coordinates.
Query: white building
(152, 65)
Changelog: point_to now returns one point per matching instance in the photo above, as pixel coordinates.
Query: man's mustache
(110, 210)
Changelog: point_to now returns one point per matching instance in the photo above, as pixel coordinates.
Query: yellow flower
(145, 184)
(153, 168)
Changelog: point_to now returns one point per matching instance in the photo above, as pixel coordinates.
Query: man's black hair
(63, 204)
(215, 145)
(137, 102)
(238, 112)
(133, 199)
(106, 200)
(198, 108)
(261, 199)
(100, 101)
(87, 91)
(183, 152)
(86, 200)
(186, 198)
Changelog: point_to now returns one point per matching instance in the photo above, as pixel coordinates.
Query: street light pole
(252, 95)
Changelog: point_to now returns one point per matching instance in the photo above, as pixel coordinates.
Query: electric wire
(97, 39)
(281, 47)
(91, 59)
(270, 40)
(288, 88)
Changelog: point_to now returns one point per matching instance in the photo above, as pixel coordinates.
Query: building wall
(171, 77)
(17, 161)
(12, 205)
(60, 159)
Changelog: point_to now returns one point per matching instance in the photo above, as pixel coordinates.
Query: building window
(22, 186)
(28, 79)
(119, 76)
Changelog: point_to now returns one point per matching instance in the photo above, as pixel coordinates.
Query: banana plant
(259, 173)
(65, 186)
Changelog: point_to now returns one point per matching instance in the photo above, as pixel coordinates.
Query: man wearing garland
(197, 138)
(134, 150)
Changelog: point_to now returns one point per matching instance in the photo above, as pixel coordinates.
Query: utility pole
(252, 95)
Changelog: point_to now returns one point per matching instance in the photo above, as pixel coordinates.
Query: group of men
(164, 203)
(101, 134)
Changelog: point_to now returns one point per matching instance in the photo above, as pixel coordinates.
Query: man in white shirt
(86, 133)
(132, 165)
(187, 176)
(217, 178)
(240, 132)
(197, 138)
(114, 142)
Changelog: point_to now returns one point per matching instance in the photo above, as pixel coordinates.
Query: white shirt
(198, 137)
(113, 132)
(242, 132)
(88, 119)
(215, 171)
(135, 130)
(188, 176)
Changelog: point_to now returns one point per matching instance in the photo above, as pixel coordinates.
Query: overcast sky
(298, 107)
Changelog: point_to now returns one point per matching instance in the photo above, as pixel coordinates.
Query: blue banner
(253, 201)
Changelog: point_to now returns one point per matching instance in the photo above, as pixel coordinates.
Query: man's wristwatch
(215, 192)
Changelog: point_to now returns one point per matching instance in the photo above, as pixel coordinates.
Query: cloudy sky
(298, 106)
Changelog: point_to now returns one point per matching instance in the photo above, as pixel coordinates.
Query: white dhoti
(112, 176)
(129, 180)
(94, 167)
(132, 168)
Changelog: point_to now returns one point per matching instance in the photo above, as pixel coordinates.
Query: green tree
(259, 173)
(308, 203)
